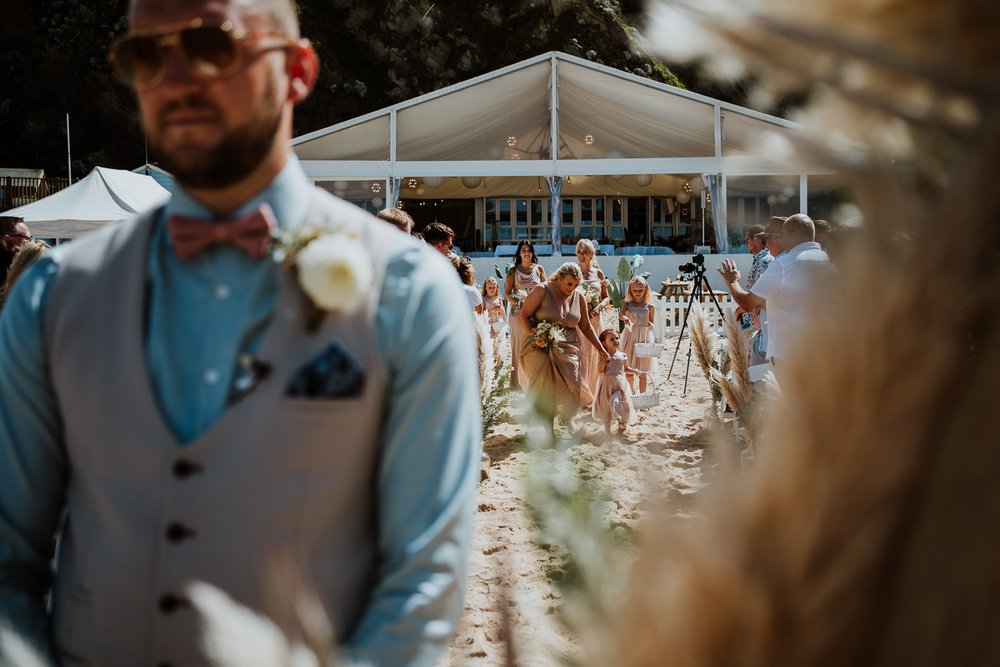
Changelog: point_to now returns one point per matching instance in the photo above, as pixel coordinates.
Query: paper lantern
(433, 181)
(697, 185)
(683, 197)
(643, 179)
(472, 182)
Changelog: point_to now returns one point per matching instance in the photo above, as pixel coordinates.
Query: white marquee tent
(103, 196)
(557, 126)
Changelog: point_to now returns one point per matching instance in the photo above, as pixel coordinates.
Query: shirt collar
(288, 195)
(802, 247)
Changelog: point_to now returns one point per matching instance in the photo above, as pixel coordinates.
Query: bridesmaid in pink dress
(527, 273)
(553, 376)
(638, 312)
(593, 278)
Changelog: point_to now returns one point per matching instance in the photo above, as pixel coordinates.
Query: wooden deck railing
(18, 191)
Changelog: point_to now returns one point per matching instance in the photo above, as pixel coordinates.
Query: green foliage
(496, 404)
(627, 267)
(502, 273)
(570, 511)
(52, 61)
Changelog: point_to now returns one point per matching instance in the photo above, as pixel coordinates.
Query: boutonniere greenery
(332, 266)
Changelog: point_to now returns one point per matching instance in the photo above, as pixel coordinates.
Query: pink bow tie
(250, 233)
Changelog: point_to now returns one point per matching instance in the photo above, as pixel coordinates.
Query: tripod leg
(695, 291)
(712, 294)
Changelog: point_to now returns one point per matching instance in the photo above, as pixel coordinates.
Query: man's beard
(232, 159)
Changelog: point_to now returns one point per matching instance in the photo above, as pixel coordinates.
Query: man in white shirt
(786, 286)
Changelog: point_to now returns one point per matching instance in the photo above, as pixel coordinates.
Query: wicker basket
(644, 401)
(648, 350)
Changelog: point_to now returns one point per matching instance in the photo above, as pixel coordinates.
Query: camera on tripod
(696, 265)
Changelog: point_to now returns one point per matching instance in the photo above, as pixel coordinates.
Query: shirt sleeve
(429, 470)
(32, 462)
(769, 283)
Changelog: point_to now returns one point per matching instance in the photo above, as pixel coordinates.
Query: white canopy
(103, 196)
(599, 131)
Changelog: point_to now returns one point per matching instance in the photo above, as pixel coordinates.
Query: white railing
(670, 313)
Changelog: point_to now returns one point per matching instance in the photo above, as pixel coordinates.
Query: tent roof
(103, 196)
(553, 114)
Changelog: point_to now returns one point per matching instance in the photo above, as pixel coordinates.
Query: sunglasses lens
(138, 59)
(209, 51)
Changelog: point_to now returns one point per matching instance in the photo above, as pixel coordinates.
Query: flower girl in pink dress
(612, 394)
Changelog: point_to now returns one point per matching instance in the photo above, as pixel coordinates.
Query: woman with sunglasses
(525, 274)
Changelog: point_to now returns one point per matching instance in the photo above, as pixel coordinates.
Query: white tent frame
(392, 170)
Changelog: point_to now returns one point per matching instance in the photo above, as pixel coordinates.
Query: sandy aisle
(662, 452)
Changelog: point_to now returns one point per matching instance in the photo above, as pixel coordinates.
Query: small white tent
(103, 196)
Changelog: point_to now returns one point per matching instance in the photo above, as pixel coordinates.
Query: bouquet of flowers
(518, 296)
(593, 298)
(548, 336)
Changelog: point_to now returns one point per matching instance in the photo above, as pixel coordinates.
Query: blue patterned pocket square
(334, 373)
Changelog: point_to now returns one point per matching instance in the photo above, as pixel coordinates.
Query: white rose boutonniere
(333, 268)
(335, 272)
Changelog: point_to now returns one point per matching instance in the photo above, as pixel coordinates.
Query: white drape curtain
(555, 209)
(714, 184)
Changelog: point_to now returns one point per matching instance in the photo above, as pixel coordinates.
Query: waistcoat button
(178, 532)
(184, 468)
(169, 603)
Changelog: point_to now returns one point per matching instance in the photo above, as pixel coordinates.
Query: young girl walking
(638, 313)
(612, 394)
(492, 304)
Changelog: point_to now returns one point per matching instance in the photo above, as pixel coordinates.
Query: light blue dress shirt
(204, 312)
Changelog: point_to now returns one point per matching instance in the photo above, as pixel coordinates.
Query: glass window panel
(826, 195)
(521, 213)
(752, 200)
(505, 234)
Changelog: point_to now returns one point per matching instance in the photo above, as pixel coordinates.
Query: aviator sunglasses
(208, 50)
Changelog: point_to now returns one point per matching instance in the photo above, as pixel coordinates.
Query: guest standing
(553, 375)
(525, 274)
(638, 313)
(492, 303)
(467, 275)
(593, 279)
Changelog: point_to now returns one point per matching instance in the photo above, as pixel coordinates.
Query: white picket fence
(670, 314)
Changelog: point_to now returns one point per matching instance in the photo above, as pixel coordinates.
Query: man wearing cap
(785, 286)
(254, 372)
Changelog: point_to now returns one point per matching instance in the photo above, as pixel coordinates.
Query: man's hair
(753, 230)
(9, 223)
(398, 217)
(283, 15)
(437, 232)
(798, 228)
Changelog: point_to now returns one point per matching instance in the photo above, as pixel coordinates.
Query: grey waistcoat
(274, 476)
